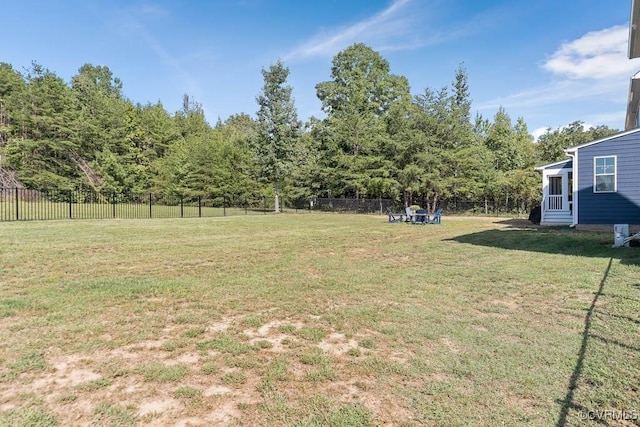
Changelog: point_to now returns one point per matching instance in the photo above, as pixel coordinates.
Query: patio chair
(408, 214)
(437, 217)
(395, 217)
(421, 217)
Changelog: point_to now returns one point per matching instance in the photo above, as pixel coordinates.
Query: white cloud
(592, 68)
(559, 92)
(404, 25)
(596, 55)
(392, 26)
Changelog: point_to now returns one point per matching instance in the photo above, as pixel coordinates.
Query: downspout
(574, 187)
(545, 196)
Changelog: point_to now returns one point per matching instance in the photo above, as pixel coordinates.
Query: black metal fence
(451, 206)
(344, 205)
(20, 204)
(486, 207)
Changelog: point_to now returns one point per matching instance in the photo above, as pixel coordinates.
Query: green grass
(316, 357)
(31, 412)
(234, 378)
(114, 415)
(225, 343)
(188, 393)
(316, 320)
(158, 372)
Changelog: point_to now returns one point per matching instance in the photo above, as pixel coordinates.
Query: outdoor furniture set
(419, 216)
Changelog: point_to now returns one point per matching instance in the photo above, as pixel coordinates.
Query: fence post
(70, 208)
(264, 204)
(246, 205)
(113, 204)
(224, 205)
(17, 206)
(199, 206)
(150, 205)
(181, 207)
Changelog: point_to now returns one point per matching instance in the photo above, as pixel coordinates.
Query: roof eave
(633, 103)
(634, 30)
(550, 165)
(597, 141)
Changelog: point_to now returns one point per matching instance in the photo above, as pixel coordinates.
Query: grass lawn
(309, 320)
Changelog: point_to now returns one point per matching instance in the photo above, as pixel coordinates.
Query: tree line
(376, 139)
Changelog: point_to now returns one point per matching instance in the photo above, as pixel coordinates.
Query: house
(597, 186)
(633, 102)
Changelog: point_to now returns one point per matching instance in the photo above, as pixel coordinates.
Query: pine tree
(278, 127)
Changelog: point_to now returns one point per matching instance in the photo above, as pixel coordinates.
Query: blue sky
(549, 61)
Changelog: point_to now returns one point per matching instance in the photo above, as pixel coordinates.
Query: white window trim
(615, 174)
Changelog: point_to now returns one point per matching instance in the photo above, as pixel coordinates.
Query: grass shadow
(523, 236)
(517, 235)
(568, 401)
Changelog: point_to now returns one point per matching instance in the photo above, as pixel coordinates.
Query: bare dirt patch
(453, 347)
(220, 326)
(222, 385)
(509, 304)
(337, 344)
(157, 406)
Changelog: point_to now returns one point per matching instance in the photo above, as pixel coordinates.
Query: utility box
(620, 233)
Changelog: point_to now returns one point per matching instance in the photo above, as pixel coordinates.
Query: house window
(604, 175)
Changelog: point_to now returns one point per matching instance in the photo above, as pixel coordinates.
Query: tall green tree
(41, 152)
(152, 130)
(238, 176)
(357, 100)
(361, 81)
(99, 97)
(501, 141)
(277, 127)
(92, 78)
(104, 153)
(552, 143)
(524, 145)
(12, 89)
(306, 180)
(191, 119)
(443, 118)
(461, 130)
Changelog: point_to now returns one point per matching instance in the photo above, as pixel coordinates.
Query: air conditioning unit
(620, 233)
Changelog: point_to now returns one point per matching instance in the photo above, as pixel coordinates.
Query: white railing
(555, 203)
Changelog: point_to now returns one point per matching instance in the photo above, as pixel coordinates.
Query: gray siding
(622, 206)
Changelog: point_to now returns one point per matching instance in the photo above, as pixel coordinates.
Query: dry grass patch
(338, 320)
